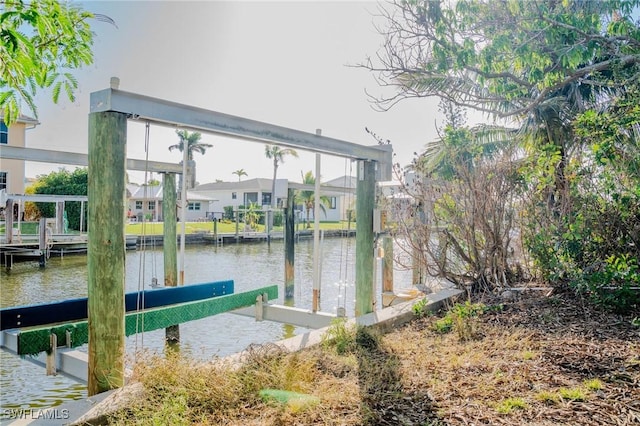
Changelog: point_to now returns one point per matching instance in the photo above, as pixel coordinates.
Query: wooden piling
(42, 241)
(365, 202)
(387, 264)
(289, 245)
(8, 221)
(106, 250)
(170, 245)
(418, 275)
(59, 229)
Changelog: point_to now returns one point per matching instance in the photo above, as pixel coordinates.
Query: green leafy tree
(537, 62)
(307, 197)
(192, 143)
(504, 57)
(545, 66)
(240, 173)
(41, 43)
(252, 216)
(600, 251)
(277, 155)
(63, 182)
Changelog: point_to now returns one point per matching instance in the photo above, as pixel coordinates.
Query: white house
(342, 197)
(243, 193)
(258, 190)
(145, 201)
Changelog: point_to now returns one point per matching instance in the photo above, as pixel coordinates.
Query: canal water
(25, 385)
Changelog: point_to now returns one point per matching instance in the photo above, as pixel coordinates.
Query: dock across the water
(30, 247)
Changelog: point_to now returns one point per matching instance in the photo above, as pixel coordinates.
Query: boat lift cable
(343, 283)
(351, 200)
(142, 258)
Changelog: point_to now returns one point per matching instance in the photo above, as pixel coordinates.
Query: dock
(28, 247)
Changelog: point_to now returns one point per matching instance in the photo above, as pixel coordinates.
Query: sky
(284, 63)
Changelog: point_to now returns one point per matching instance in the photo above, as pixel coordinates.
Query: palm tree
(193, 145)
(308, 197)
(240, 173)
(277, 154)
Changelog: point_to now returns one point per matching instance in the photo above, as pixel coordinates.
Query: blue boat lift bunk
(48, 333)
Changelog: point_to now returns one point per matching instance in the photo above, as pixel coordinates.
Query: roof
(343, 182)
(261, 184)
(24, 119)
(155, 192)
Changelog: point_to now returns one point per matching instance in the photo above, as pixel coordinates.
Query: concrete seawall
(243, 237)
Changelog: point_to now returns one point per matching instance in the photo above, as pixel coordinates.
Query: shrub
(420, 308)
(611, 286)
(462, 318)
(340, 336)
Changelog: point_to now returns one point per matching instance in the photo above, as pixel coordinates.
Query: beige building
(12, 171)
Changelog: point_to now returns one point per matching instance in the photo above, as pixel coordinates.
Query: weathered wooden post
(59, 217)
(387, 264)
(237, 225)
(8, 221)
(418, 264)
(289, 245)
(106, 250)
(42, 241)
(170, 245)
(365, 202)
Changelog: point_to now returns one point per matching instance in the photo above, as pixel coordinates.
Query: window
(194, 206)
(333, 201)
(151, 205)
(234, 195)
(4, 133)
(138, 205)
(266, 198)
(3, 180)
(250, 197)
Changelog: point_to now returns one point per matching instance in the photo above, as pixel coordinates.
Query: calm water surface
(25, 385)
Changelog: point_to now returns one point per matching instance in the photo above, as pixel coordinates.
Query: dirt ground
(538, 359)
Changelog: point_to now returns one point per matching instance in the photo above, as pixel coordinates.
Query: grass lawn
(26, 228)
(157, 228)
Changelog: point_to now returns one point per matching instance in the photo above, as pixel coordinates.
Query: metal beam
(71, 363)
(290, 315)
(324, 189)
(166, 113)
(77, 159)
(46, 198)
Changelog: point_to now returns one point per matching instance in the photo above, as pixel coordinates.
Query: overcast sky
(284, 63)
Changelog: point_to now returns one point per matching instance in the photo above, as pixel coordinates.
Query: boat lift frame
(110, 109)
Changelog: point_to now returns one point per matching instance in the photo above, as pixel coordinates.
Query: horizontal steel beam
(162, 112)
(46, 198)
(290, 315)
(71, 363)
(77, 159)
(323, 188)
